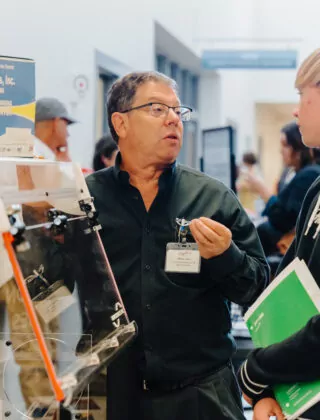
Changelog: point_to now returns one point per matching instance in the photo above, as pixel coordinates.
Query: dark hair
(122, 92)
(104, 147)
(250, 158)
(294, 140)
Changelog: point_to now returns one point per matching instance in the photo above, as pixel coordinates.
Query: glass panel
(218, 157)
(72, 288)
(163, 64)
(195, 89)
(174, 71)
(190, 144)
(100, 108)
(183, 87)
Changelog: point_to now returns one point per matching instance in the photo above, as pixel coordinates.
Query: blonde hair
(309, 71)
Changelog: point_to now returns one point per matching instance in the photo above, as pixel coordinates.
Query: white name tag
(182, 258)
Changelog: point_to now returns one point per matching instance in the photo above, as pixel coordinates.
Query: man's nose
(172, 117)
(295, 112)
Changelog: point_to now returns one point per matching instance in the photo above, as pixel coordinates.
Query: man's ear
(120, 124)
(54, 125)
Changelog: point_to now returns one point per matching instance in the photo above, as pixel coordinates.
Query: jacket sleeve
(241, 272)
(295, 359)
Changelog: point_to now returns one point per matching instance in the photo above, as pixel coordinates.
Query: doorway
(270, 118)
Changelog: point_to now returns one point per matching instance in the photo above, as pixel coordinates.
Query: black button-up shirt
(183, 319)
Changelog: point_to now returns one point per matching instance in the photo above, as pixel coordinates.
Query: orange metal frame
(8, 240)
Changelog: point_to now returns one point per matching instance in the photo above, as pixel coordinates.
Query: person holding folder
(295, 359)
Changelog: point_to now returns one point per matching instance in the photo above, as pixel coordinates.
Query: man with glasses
(181, 247)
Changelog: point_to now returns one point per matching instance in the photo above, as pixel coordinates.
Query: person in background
(51, 129)
(247, 195)
(282, 210)
(51, 142)
(105, 153)
(295, 359)
(285, 177)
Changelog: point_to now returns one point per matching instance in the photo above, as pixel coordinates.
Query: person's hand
(212, 237)
(247, 399)
(257, 185)
(284, 242)
(266, 408)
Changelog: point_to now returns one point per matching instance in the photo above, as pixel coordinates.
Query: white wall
(248, 24)
(62, 37)
(298, 21)
(290, 25)
(224, 20)
(227, 94)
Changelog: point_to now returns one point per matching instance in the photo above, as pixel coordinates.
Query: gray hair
(122, 92)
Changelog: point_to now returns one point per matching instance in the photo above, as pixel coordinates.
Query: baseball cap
(51, 108)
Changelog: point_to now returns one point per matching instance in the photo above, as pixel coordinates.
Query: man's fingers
(246, 398)
(194, 231)
(217, 227)
(203, 232)
(261, 416)
(278, 413)
(197, 234)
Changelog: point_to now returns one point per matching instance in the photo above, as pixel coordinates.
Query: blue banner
(249, 59)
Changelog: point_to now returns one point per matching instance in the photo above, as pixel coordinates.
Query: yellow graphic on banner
(27, 111)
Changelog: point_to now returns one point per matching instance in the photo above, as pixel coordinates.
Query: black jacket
(183, 319)
(283, 210)
(297, 358)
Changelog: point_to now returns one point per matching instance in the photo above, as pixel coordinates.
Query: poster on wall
(17, 106)
(218, 159)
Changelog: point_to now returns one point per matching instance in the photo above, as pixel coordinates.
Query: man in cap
(51, 128)
(51, 132)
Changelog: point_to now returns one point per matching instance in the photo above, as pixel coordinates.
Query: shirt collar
(42, 150)
(123, 176)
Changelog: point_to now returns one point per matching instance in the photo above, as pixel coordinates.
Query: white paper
(51, 307)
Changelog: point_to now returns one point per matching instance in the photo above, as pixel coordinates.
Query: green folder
(283, 309)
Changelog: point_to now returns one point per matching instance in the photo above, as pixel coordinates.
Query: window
(162, 64)
(188, 84)
(104, 83)
(194, 92)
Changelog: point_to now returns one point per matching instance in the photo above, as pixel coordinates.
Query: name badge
(182, 258)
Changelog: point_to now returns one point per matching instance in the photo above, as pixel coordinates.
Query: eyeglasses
(162, 110)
